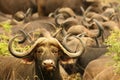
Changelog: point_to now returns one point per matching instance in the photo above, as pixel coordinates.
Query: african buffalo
(47, 6)
(16, 69)
(43, 59)
(101, 69)
(11, 7)
(91, 52)
(33, 33)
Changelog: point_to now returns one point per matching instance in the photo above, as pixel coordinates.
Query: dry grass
(107, 1)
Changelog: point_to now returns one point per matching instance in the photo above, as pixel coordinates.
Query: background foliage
(4, 37)
(113, 42)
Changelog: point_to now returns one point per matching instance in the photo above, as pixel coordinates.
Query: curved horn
(57, 19)
(64, 12)
(80, 29)
(28, 12)
(22, 54)
(84, 12)
(69, 22)
(71, 54)
(85, 19)
(53, 14)
(65, 42)
(68, 11)
(13, 52)
(51, 24)
(19, 16)
(87, 10)
(24, 37)
(100, 27)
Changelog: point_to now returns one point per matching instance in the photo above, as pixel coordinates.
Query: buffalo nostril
(44, 63)
(48, 62)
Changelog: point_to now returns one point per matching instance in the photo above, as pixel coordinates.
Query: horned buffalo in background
(33, 28)
(45, 6)
(87, 56)
(11, 7)
(101, 69)
(95, 4)
(43, 57)
(92, 51)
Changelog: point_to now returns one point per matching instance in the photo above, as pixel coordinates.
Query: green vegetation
(6, 25)
(4, 37)
(3, 44)
(113, 42)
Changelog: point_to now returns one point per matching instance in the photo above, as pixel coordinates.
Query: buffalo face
(45, 52)
(47, 55)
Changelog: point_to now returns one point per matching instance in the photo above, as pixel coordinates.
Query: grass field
(107, 1)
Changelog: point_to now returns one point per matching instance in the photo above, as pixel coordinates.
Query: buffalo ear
(61, 53)
(27, 60)
(63, 56)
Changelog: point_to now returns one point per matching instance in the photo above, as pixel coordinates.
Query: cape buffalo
(11, 7)
(43, 56)
(47, 6)
(101, 69)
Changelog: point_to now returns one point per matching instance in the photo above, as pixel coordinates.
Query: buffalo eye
(55, 51)
(39, 53)
(40, 50)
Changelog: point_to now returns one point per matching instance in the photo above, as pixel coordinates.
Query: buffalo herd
(64, 38)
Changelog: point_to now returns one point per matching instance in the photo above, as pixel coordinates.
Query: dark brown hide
(101, 69)
(12, 6)
(47, 6)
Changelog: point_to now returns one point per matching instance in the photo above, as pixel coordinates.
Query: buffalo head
(45, 52)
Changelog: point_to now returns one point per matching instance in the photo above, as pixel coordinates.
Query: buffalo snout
(48, 64)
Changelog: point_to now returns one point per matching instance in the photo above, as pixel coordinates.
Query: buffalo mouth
(49, 67)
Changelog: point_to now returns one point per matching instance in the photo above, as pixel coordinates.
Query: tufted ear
(27, 60)
(68, 61)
